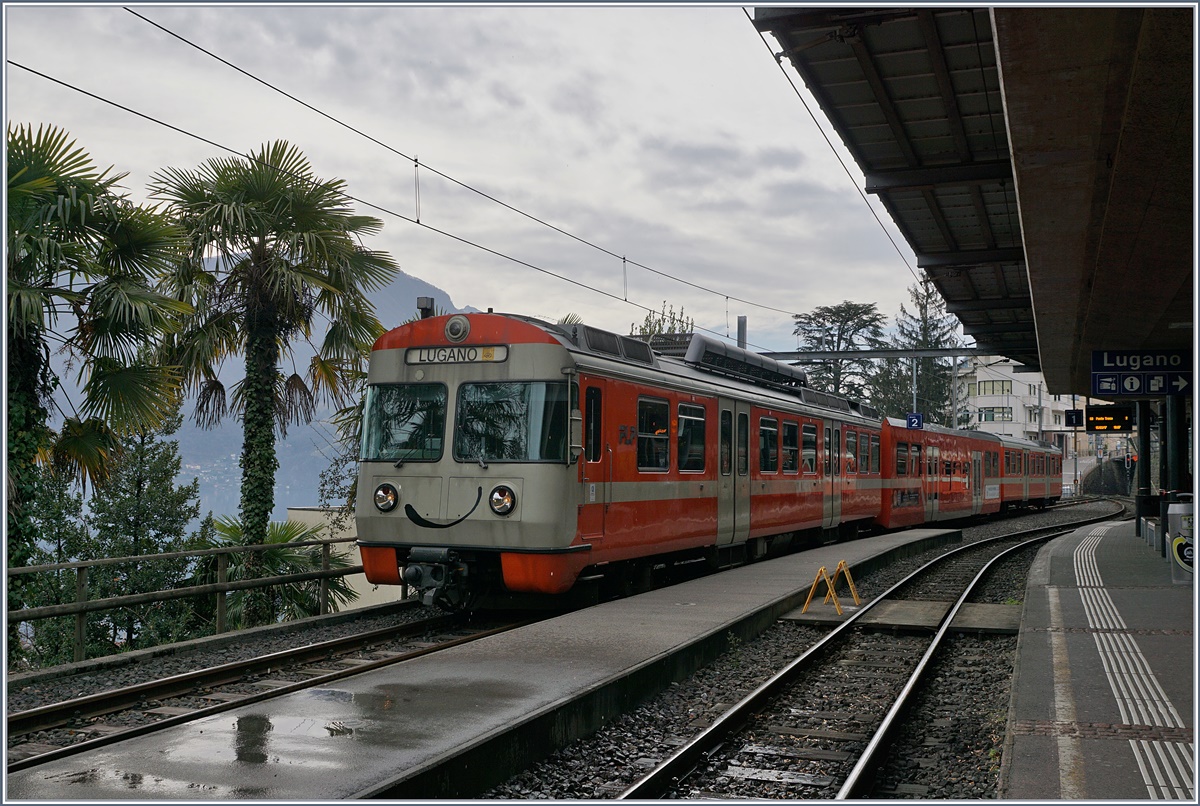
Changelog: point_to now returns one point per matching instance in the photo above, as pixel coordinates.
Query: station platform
(490, 707)
(1103, 704)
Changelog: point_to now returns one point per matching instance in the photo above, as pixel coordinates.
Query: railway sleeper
(776, 776)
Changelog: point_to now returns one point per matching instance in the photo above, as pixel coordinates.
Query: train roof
(1004, 439)
(697, 357)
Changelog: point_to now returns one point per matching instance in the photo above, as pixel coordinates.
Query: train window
(404, 422)
(809, 449)
(512, 422)
(591, 423)
(691, 437)
(828, 452)
(864, 453)
(743, 444)
(653, 436)
(791, 447)
(948, 468)
(915, 465)
(726, 442)
(851, 451)
(901, 459)
(874, 453)
(768, 444)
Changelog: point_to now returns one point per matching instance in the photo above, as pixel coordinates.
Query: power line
(449, 178)
(779, 61)
(371, 205)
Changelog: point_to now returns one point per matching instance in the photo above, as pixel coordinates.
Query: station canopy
(1039, 162)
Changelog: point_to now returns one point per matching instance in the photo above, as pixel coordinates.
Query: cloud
(615, 124)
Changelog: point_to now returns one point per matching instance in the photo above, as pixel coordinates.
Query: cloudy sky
(667, 136)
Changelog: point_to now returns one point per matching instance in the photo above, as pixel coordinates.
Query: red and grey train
(509, 455)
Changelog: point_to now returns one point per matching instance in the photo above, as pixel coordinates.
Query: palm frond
(210, 403)
(84, 450)
(130, 397)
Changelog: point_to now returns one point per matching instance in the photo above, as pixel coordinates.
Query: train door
(831, 480)
(597, 462)
(933, 475)
(733, 479)
(976, 482)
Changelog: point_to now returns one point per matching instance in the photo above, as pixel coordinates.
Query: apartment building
(991, 396)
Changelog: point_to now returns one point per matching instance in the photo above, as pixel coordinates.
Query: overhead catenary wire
(370, 205)
(779, 61)
(451, 179)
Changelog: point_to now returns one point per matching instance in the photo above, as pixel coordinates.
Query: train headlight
(502, 500)
(386, 497)
(457, 328)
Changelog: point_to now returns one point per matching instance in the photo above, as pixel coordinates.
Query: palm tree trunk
(259, 461)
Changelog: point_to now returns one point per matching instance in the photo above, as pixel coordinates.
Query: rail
(655, 783)
(82, 606)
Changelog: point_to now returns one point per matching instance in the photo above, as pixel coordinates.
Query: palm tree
(82, 263)
(287, 602)
(272, 249)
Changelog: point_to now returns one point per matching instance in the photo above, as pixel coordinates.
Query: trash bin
(1180, 541)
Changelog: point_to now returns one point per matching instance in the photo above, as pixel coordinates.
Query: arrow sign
(1180, 383)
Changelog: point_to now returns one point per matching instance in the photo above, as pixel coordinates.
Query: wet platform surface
(1103, 699)
(483, 706)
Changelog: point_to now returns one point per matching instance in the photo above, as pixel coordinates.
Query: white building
(992, 397)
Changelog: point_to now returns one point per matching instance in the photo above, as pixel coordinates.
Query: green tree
(929, 327)
(290, 601)
(142, 511)
(844, 327)
(285, 251)
(889, 387)
(82, 265)
(665, 322)
(56, 513)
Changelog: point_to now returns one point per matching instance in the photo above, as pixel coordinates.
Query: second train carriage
(505, 454)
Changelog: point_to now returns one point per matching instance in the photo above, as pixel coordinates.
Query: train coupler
(439, 576)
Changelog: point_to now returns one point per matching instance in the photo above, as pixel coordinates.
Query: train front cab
(468, 459)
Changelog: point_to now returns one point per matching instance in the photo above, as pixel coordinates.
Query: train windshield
(404, 422)
(512, 422)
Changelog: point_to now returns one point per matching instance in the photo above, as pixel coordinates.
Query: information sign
(1141, 373)
(1074, 418)
(915, 421)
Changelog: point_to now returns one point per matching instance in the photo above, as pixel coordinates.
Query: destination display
(465, 354)
(1102, 419)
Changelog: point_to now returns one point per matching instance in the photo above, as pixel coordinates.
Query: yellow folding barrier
(831, 585)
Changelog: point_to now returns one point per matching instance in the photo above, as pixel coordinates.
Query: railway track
(822, 725)
(203, 692)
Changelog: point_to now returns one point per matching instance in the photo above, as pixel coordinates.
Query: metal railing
(82, 605)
